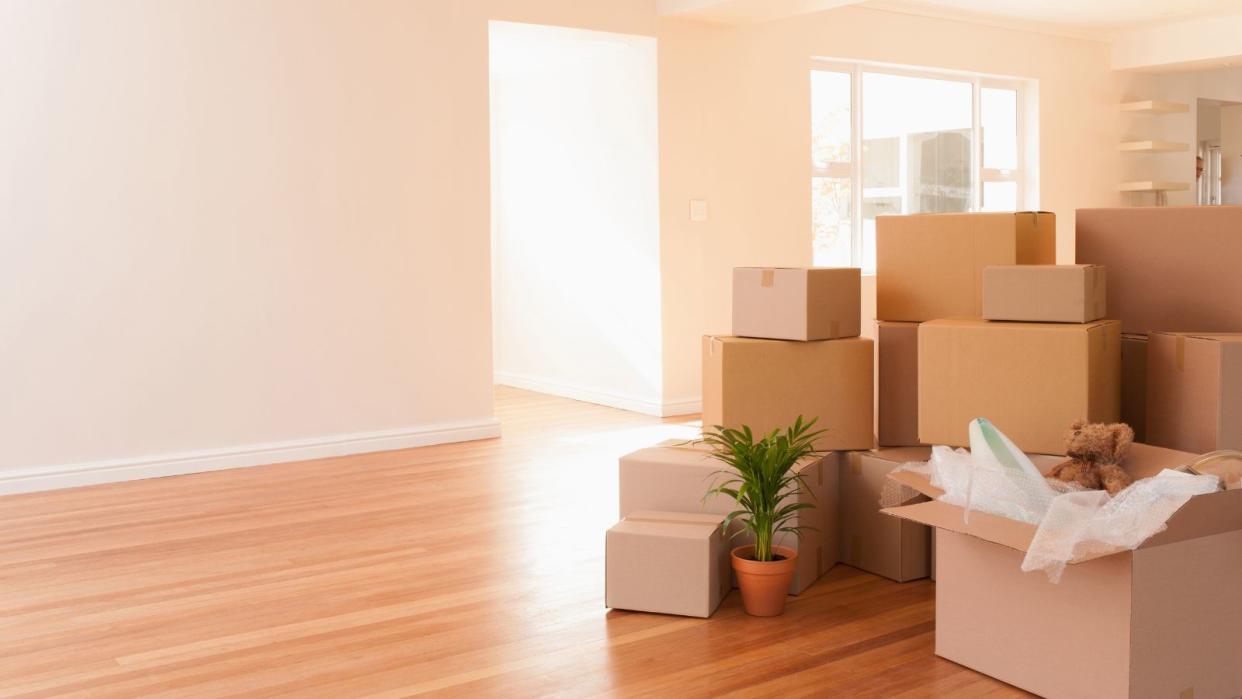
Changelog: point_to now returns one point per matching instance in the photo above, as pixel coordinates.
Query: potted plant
(762, 480)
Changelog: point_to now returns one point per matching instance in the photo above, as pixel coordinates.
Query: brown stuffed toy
(1095, 451)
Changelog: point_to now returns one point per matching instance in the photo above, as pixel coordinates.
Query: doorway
(575, 215)
(1218, 157)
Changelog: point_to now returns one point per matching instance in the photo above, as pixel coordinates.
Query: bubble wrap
(1074, 524)
(1089, 524)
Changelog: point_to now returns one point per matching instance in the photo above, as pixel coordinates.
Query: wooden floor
(460, 570)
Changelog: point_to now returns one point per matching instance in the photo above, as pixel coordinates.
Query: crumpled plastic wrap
(1073, 524)
(1089, 524)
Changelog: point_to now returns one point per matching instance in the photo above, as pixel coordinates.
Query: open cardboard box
(1164, 620)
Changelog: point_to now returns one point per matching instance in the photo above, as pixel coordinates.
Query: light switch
(698, 210)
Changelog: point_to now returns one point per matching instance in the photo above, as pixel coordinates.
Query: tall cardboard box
(1194, 391)
(1134, 384)
(1044, 293)
(1164, 620)
(1031, 379)
(1169, 268)
(897, 402)
(674, 477)
(667, 562)
(767, 384)
(870, 540)
(930, 266)
(797, 303)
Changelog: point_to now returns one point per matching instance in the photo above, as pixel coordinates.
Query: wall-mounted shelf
(1153, 186)
(1155, 107)
(1154, 147)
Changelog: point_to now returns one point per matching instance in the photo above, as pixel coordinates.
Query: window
(890, 141)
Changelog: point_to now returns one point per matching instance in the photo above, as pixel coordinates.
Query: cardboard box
(897, 400)
(767, 384)
(1194, 391)
(797, 303)
(1169, 268)
(1044, 293)
(1164, 620)
(1031, 379)
(667, 562)
(930, 266)
(674, 477)
(870, 540)
(1134, 384)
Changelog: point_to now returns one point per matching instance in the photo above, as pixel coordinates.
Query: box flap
(1202, 515)
(998, 530)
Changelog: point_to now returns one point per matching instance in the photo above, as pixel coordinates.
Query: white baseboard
(611, 399)
(28, 480)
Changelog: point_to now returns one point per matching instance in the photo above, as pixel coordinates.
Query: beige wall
(735, 108)
(1188, 87)
(239, 226)
(237, 231)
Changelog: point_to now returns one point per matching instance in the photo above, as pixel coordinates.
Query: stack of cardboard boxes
(1038, 355)
(795, 351)
(975, 319)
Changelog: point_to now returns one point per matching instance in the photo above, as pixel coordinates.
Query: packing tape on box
(1180, 353)
(767, 277)
(712, 341)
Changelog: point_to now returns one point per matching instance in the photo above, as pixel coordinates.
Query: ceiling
(1080, 14)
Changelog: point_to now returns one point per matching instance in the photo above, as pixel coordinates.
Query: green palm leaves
(762, 479)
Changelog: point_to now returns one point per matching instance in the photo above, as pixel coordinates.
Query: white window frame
(853, 169)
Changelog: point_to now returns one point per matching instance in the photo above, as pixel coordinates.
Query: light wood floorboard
(469, 569)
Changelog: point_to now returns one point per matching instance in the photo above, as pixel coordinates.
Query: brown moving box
(897, 402)
(930, 266)
(1134, 384)
(870, 540)
(666, 562)
(1031, 379)
(1194, 391)
(1169, 268)
(1044, 293)
(1164, 620)
(674, 477)
(797, 303)
(767, 384)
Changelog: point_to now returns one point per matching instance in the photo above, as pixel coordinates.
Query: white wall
(575, 214)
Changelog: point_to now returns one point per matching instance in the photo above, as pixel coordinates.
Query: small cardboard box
(1164, 620)
(674, 477)
(870, 540)
(897, 400)
(1031, 379)
(1194, 391)
(1169, 268)
(1044, 293)
(767, 384)
(797, 303)
(930, 266)
(1134, 384)
(666, 562)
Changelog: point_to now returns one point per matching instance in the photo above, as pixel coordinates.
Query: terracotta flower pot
(764, 584)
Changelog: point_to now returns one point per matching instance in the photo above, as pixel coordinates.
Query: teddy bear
(1095, 451)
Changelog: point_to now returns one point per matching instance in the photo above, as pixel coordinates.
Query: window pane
(998, 113)
(830, 216)
(1000, 196)
(830, 118)
(916, 148)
